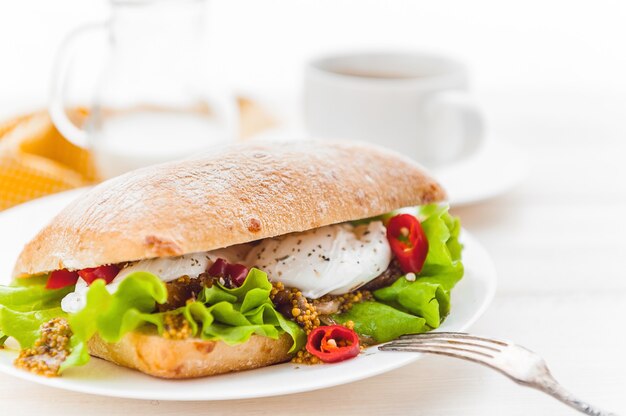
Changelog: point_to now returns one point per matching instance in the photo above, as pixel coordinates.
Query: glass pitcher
(155, 99)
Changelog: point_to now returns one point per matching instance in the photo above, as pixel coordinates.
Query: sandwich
(244, 257)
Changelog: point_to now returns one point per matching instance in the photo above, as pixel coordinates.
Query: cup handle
(455, 109)
(62, 63)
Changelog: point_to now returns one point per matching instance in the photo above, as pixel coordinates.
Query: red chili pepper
(61, 278)
(333, 343)
(236, 273)
(106, 273)
(408, 242)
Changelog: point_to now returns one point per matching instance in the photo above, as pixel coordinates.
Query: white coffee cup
(415, 103)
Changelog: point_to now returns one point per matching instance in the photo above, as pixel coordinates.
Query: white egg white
(166, 268)
(335, 259)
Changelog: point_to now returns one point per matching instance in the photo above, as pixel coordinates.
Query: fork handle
(549, 385)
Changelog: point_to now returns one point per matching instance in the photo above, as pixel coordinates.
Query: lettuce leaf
(219, 313)
(25, 305)
(426, 298)
(30, 294)
(247, 309)
(443, 262)
(233, 315)
(381, 322)
(24, 326)
(114, 315)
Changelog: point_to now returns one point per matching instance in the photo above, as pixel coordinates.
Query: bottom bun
(177, 359)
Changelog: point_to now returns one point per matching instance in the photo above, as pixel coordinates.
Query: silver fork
(518, 363)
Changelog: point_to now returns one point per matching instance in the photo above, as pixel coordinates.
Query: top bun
(231, 195)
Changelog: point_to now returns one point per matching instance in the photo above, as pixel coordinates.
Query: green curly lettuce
(219, 313)
(247, 308)
(381, 322)
(25, 305)
(408, 307)
(233, 315)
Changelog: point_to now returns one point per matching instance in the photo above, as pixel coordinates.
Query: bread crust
(231, 195)
(192, 357)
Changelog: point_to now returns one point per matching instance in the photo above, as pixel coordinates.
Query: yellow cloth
(35, 160)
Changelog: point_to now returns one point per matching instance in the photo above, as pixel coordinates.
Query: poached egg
(334, 259)
(166, 268)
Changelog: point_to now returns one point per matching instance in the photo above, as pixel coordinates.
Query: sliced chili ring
(408, 242)
(333, 343)
(106, 273)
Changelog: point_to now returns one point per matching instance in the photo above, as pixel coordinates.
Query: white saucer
(493, 170)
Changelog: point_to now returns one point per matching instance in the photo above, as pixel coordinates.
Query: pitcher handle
(62, 63)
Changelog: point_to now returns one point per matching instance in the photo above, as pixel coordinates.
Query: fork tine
(450, 352)
(455, 335)
(392, 346)
(444, 342)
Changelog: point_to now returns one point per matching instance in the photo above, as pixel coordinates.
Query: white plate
(469, 300)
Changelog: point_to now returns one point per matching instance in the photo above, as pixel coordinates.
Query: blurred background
(523, 46)
(553, 66)
(534, 64)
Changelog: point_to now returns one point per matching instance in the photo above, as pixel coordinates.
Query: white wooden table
(558, 241)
